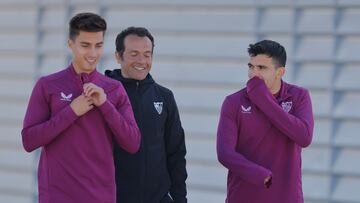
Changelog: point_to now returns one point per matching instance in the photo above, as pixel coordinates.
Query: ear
(69, 43)
(280, 72)
(118, 57)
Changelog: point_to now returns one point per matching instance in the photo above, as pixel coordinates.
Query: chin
(91, 69)
(140, 78)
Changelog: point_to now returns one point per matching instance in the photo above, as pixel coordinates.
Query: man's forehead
(261, 60)
(138, 46)
(90, 37)
(261, 57)
(137, 40)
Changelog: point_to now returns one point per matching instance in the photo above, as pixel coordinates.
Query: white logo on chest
(65, 97)
(158, 106)
(286, 106)
(245, 109)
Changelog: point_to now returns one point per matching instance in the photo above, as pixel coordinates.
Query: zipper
(144, 159)
(137, 86)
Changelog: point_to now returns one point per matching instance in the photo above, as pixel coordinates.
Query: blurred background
(201, 54)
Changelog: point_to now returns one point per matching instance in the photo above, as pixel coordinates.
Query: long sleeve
(176, 151)
(297, 126)
(39, 127)
(227, 137)
(121, 121)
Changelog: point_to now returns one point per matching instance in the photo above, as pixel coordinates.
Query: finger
(91, 100)
(251, 75)
(91, 92)
(257, 75)
(88, 91)
(80, 99)
(88, 103)
(87, 87)
(90, 106)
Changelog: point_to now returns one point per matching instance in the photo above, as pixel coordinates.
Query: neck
(276, 88)
(124, 74)
(79, 70)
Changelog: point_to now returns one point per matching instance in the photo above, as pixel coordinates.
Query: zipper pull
(84, 78)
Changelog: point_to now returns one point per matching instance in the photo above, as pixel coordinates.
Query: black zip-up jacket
(157, 172)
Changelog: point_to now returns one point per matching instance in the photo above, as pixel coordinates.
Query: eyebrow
(136, 51)
(88, 43)
(261, 66)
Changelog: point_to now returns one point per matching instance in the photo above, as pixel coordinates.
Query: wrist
(102, 101)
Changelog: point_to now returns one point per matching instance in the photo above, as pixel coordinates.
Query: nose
(92, 52)
(253, 71)
(141, 59)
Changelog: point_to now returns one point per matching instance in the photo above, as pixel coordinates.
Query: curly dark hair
(270, 48)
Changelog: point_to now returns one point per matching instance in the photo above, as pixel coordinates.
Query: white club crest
(65, 97)
(158, 106)
(286, 106)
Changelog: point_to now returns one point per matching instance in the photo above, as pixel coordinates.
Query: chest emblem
(158, 106)
(245, 109)
(286, 106)
(65, 97)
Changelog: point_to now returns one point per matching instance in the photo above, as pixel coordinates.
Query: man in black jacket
(157, 173)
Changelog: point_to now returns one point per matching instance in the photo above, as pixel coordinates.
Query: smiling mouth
(139, 68)
(91, 61)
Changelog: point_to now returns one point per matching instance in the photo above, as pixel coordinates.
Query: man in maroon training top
(74, 116)
(262, 130)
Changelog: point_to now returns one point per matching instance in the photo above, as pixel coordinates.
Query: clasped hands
(92, 96)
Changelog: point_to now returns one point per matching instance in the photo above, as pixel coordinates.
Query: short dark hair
(270, 48)
(138, 31)
(88, 22)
